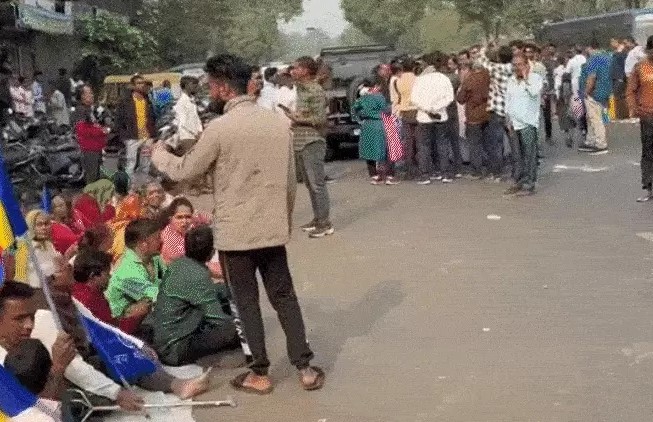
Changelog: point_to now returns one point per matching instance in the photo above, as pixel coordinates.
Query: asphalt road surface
(421, 308)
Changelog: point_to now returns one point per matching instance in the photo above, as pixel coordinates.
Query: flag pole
(44, 285)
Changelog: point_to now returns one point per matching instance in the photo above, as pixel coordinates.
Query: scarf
(102, 191)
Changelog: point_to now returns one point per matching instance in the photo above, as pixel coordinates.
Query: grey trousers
(433, 150)
(91, 162)
(311, 165)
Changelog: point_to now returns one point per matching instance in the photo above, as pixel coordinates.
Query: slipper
(237, 383)
(319, 380)
(645, 198)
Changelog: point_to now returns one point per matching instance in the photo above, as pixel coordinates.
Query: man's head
(629, 42)
(143, 235)
(139, 84)
(616, 44)
(384, 71)
(521, 65)
(505, 54)
(93, 267)
(474, 52)
(86, 96)
(38, 75)
(154, 195)
(21, 80)
(199, 244)
(531, 51)
(269, 73)
(304, 69)
(437, 59)
(63, 72)
(166, 84)
(551, 49)
(228, 77)
(593, 46)
(649, 46)
(516, 46)
(464, 60)
(408, 64)
(189, 84)
(17, 310)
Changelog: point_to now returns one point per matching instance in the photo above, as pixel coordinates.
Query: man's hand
(130, 401)
(139, 309)
(63, 352)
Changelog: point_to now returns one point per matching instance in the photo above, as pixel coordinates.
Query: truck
(349, 66)
(636, 23)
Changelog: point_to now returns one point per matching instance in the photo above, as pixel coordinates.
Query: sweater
(474, 93)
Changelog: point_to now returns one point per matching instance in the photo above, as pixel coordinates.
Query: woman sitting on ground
(66, 230)
(39, 226)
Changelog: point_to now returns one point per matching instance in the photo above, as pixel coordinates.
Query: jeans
(528, 143)
(272, 263)
(453, 135)
(311, 165)
(646, 124)
(595, 127)
(475, 136)
(493, 143)
(432, 140)
(409, 129)
(91, 162)
(516, 157)
(546, 114)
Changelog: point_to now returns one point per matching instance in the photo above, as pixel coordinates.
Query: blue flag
(17, 404)
(46, 200)
(120, 352)
(2, 273)
(12, 222)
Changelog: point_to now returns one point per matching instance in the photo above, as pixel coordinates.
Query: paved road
(420, 308)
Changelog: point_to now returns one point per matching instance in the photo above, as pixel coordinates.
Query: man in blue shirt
(597, 90)
(523, 99)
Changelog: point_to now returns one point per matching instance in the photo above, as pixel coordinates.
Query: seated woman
(86, 376)
(91, 271)
(94, 206)
(129, 209)
(180, 217)
(40, 236)
(66, 231)
(190, 323)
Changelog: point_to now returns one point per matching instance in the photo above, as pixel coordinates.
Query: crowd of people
(140, 258)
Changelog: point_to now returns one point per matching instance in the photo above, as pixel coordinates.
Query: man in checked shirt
(500, 68)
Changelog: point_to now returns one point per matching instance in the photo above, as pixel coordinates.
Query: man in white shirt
(286, 94)
(574, 67)
(636, 53)
(22, 98)
(37, 92)
(187, 119)
(268, 96)
(431, 95)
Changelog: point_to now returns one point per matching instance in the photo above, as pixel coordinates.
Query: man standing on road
(618, 75)
(431, 95)
(135, 123)
(251, 153)
(308, 124)
(640, 103)
(401, 90)
(636, 54)
(523, 98)
(597, 91)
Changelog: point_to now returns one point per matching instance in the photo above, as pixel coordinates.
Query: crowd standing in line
(145, 262)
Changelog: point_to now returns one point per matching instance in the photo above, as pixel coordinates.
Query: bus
(636, 23)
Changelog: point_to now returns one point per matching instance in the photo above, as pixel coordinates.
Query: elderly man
(251, 153)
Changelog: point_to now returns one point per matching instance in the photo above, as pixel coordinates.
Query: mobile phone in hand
(284, 108)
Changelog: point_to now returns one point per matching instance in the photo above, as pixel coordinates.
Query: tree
(115, 46)
(353, 36)
(384, 21)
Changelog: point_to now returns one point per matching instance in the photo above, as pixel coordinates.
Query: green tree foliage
(309, 43)
(353, 36)
(115, 46)
(385, 21)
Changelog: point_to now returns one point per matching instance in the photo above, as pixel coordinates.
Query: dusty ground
(421, 308)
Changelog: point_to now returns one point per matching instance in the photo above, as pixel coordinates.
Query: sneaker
(512, 190)
(390, 181)
(586, 148)
(458, 176)
(376, 178)
(322, 231)
(436, 177)
(376, 182)
(329, 180)
(447, 180)
(309, 227)
(599, 151)
(424, 182)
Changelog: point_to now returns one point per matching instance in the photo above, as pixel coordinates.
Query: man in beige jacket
(250, 151)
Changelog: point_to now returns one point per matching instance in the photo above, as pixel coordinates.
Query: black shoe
(322, 230)
(513, 190)
(586, 147)
(598, 151)
(329, 180)
(309, 227)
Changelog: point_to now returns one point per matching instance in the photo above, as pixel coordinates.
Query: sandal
(238, 384)
(644, 198)
(319, 379)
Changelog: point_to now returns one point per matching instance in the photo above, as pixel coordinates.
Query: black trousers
(646, 164)
(272, 263)
(91, 162)
(546, 113)
(207, 340)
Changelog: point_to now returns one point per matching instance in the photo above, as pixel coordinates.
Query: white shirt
(287, 97)
(431, 94)
(523, 100)
(23, 100)
(59, 109)
(634, 56)
(558, 72)
(187, 120)
(39, 99)
(574, 67)
(268, 97)
(78, 372)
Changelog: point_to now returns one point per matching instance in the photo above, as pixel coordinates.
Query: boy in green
(190, 317)
(135, 282)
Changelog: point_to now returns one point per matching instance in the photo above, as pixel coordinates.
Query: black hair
(136, 77)
(37, 73)
(595, 44)
(21, 80)
(436, 59)
(139, 230)
(408, 64)
(269, 73)
(308, 63)
(166, 84)
(516, 43)
(505, 54)
(231, 69)
(121, 180)
(30, 363)
(185, 81)
(63, 71)
(13, 290)
(94, 237)
(90, 263)
(199, 244)
(179, 201)
(630, 40)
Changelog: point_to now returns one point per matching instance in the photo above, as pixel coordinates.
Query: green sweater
(188, 299)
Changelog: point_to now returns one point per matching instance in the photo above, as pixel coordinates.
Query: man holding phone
(523, 99)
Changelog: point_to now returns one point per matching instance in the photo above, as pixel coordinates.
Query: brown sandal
(318, 383)
(238, 384)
